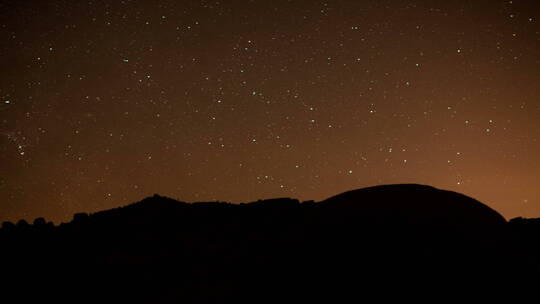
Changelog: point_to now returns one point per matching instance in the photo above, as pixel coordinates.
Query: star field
(106, 102)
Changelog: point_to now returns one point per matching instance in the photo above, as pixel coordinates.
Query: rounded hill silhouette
(417, 205)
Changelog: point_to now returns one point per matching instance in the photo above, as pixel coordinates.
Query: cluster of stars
(105, 104)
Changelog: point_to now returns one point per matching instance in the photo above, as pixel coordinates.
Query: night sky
(106, 102)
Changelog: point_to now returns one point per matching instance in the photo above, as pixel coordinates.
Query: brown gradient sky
(106, 102)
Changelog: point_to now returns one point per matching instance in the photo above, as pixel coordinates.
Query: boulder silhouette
(39, 222)
(6, 225)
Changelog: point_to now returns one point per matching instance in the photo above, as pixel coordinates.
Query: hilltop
(350, 245)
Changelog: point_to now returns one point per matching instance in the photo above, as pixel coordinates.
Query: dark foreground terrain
(389, 243)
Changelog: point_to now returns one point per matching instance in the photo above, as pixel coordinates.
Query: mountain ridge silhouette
(355, 244)
(394, 194)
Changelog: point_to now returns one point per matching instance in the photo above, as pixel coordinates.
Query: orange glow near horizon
(103, 105)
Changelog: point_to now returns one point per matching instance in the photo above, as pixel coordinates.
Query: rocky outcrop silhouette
(393, 242)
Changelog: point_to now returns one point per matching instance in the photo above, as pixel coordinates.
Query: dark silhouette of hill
(418, 204)
(393, 242)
